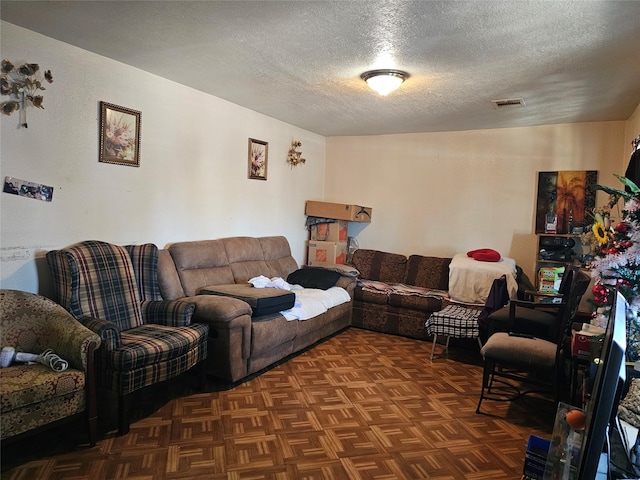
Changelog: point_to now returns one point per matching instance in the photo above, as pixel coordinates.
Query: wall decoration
(258, 157)
(22, 85)
(119, 135)
(294, 157)
(22, 188)
(566, 197)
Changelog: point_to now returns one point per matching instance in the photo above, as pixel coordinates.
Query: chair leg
(202, 375)
(433, 345)
(123, 414)
(485, 384)
(92, 427)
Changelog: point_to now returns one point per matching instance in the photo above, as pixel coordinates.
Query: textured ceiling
(300, 61)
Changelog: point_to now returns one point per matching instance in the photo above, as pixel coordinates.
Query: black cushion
(263, 301)
(314, 278)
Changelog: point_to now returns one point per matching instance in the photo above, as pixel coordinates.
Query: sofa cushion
(428, 272)
(380, 266)
(154, 344)
(168, 279)
(314, 278)
(368, 296)
(519, 351)
(108, 289)
(201, 263)
(263, 301)
(144, 259)
(251, 257)
(415, 302)
(272, 332)
(22, 385)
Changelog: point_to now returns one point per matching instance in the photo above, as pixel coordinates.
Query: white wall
(192, 181)
(632, 130)
(431, 193)
(446, 193)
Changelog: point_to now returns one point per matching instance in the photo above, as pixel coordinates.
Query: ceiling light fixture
(384, 81)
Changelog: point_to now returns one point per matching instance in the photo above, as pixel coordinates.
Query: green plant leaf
(628, 183)
(635, 190)
(612, 191)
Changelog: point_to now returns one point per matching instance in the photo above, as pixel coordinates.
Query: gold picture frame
(258, 159)
(566, 196)
(119, 135)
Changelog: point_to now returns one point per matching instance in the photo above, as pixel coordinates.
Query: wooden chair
(515, 361)
(34, 396)
(537, 312)
(114, 291)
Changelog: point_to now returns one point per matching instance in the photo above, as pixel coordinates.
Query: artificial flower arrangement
(22, 84)
(616, 261)
(294, 157)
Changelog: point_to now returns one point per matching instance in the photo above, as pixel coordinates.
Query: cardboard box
(339, 211)
(326, 253)
(586, 342)
(330, 232)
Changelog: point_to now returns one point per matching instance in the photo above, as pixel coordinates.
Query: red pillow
(484, 255)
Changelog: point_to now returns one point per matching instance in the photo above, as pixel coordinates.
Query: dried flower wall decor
(23, 86)
(294, 157)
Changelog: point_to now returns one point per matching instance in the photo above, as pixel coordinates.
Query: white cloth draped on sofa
(309, 301)
(470, 280)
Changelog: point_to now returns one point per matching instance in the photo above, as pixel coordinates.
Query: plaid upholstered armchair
(35, 396)
(114, 291)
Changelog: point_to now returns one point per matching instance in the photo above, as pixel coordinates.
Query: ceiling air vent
(508, 103)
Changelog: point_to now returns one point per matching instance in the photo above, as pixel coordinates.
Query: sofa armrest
(218, 309)
(345, 270)
(108, 332)
(348, 283)
(71, 340)
(348, 276)
(229, 321)
(172, 313)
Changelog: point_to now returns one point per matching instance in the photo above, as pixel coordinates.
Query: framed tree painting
(567, 196)
(258, 157)
(119, 135)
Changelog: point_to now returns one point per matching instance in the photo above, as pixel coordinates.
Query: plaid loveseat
(113, 290)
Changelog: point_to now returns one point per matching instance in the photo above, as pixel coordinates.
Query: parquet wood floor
(361, 405)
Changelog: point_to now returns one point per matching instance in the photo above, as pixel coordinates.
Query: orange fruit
(576, 419)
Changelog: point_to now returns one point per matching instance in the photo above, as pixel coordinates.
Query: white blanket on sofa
(470, 280)
(310, 302)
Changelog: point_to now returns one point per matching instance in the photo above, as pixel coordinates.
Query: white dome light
(384, 81)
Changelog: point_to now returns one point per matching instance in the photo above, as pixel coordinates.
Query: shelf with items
(556, 251)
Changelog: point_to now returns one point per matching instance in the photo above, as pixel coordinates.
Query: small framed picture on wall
(258, 157)
(119, 135)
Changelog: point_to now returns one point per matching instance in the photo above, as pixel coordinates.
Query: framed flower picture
(258, 157)
(119, 135)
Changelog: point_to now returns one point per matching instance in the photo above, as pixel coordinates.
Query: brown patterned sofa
(34, 396)
(400, 311)
(241, 343)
